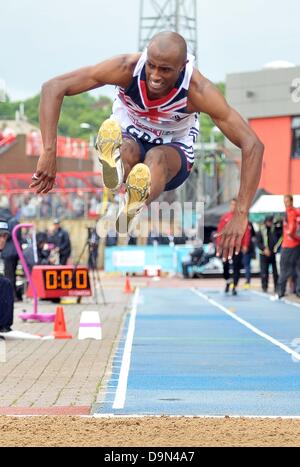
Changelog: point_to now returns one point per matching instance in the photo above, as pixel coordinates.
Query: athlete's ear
(183, 66)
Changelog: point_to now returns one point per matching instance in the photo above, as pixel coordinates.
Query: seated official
(198, 257)
(43, 253)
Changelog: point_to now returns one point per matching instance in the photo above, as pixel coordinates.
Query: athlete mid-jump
(149, 140)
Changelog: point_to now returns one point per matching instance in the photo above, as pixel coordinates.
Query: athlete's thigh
(165, 155)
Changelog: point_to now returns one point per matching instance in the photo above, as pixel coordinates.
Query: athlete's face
(162, 71)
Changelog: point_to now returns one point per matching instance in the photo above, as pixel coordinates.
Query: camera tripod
(92, 267)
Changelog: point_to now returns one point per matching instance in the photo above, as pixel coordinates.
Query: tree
(206, 123)
(75, 110)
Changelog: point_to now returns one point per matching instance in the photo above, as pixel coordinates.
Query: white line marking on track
(123, 378)
(272, 299)
(257, 331)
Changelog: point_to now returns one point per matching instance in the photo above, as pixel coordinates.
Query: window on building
(296, 137)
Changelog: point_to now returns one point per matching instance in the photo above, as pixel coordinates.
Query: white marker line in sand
(123, 378)
(252, 328)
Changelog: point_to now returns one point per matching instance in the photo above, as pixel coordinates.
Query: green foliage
(31, 107)
(82, 108)
(8, 110)
(206, 123)
(214, 163)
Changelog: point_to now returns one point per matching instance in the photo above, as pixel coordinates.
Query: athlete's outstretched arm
(116, 71)
(205, 97)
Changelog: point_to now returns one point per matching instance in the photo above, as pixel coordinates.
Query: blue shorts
(185, 152)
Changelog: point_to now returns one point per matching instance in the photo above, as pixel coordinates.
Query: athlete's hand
(230, 239)
(44, 178)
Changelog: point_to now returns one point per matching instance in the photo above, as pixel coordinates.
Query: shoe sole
(137, 190)
(108, 141)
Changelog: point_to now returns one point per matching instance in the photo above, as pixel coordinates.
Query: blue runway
(187, 356)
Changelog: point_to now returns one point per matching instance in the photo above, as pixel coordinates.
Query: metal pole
(140, 45)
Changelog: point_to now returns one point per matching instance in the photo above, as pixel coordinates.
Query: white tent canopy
(270, 204)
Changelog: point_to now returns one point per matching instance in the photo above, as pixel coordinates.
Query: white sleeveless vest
(157, 121)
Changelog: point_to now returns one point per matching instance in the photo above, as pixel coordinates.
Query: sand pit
(147, 432)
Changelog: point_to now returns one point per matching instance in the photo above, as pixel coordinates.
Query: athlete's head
(166, 58)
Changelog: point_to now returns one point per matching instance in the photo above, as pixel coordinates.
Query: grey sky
(43, 38)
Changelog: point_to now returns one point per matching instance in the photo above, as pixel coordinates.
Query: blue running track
(190, 356)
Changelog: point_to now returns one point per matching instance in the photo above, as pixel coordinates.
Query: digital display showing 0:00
(66, 279)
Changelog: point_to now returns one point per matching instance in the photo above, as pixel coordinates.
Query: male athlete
(149, 140)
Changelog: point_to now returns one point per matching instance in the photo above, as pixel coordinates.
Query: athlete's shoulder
(197, 86)
(116, 70)
(198, 82)
(130, 61)
(126, 65)
(203, 95)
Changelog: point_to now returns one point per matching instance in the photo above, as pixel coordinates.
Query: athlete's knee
(130, 151)
(157, 163)
(156, 156)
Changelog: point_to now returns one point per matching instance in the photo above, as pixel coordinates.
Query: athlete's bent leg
(146, 182)
(130, 155)
(164, 163)
(137, 193)
(116, 155)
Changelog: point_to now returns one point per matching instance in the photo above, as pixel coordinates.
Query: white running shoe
(108, 144)
(137, 192)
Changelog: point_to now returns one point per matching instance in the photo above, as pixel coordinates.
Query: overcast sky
(43, 38)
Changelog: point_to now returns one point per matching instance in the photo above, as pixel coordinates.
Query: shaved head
(166, 42)
(166, 60)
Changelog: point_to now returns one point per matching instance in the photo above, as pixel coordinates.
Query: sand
(147, 432)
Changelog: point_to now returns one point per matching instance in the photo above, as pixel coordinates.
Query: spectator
(11, 258)
(249, 254)
(6, 288)
(61, 240)
(290, 252)
(93, 246)
(60, 205)
(45, 206)
(269, 239)
(236, 261)
(78, 206)
(42, 253)
(132, 240)
(93, 207)
(153, 236)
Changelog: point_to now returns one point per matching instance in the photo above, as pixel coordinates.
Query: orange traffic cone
(127, 287)
(60, 331)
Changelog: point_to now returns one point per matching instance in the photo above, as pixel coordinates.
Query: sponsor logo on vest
(142, 135)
